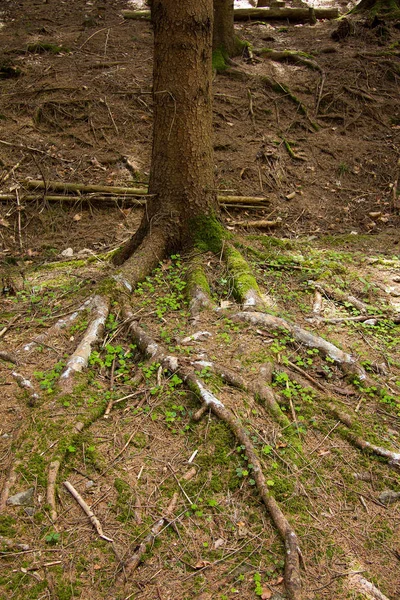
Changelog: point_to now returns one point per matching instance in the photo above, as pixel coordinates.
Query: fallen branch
(81, 188)
(260, 14)
(260, 224)
(86, 509)
(51, 489)
(293, 553)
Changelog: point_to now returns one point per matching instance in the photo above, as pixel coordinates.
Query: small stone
(389, 497)
(22, 498)
(67, 252)
(290, 196)
(30, 511)
(89, 484)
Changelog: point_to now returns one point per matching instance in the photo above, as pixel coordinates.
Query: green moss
(243, 278)
(219, 60)
(6, 526)
(209, 233)
(196, 278)
(41, 47)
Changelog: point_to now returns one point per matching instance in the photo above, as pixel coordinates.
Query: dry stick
(25, 384)
(260, 224)
(79, 359)
(51, 488)
(127, 191)
(87, 510)
(19, 208)
(260, 14)
(7, 327)
(11, 171)
(293, 554)
(132, 563)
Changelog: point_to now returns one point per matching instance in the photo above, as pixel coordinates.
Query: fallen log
(260, 14)
(289, 14)
(81, 188)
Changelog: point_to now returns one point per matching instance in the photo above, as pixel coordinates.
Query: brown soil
(76, 115)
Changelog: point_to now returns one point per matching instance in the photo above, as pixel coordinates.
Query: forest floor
(322, 146)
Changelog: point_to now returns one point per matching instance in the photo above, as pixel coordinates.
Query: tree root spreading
(79, 359)
(133, 562)
(293, 554)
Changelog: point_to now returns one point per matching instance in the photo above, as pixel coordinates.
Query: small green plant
(258, 590)
(52, 538)
(49, 379)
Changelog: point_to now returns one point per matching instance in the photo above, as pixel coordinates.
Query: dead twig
(86, 509)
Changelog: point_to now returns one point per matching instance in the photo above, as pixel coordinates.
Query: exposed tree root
(344, 360)
(365, 587)
(79, 359)
(245, 286)
(289, 56)
(259, 388)
(293, 554)
(347, 420)
(58, 326)
(26, 385)
(133, 561)
(198, 290)
(8, 357)
(340, 296)
(51, 488)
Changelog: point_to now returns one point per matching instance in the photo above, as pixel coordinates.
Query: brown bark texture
(223, 30)
(181, 179)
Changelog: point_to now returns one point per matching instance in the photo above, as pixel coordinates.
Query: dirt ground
(320, 142)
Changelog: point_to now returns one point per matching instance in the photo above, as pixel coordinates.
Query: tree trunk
(181, 177)
(224, 39)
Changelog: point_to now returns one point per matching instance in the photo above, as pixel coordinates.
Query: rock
(389, 497)
(22, 498)
(89, 484)
(67, 252)
(30, 511)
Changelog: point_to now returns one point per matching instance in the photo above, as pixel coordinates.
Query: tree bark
(223, 32)
(181, 185)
